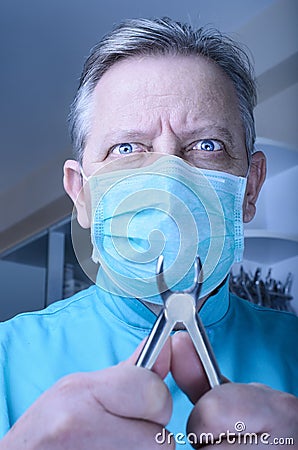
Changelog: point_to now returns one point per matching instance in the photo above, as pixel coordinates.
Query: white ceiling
(44, 44)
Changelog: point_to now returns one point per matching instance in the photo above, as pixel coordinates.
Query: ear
(255, 180)
(73, 185)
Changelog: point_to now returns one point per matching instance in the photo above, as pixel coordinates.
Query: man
(156, 99)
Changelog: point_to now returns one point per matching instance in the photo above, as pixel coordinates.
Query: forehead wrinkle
(137, 130)
(125, 136)
(142, 101)
(178, 120)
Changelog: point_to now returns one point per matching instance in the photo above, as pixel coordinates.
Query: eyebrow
(124, 136)
(209, 131)
(214, 132)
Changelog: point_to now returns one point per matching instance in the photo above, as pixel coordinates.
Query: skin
(164, 105)
(171, 105)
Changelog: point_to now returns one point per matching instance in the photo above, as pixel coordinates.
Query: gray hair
(164, 36)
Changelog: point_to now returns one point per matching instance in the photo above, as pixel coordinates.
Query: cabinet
(271, 239)
(39, 271)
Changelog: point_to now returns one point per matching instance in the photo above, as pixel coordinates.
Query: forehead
(160, 80)
(150, 99)
(156, 100)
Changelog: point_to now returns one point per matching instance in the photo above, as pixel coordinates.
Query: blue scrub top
(93, 330)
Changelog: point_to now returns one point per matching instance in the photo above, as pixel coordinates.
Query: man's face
(179, 105)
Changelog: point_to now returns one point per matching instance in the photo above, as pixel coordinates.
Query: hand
(119, 407)
(266, 414)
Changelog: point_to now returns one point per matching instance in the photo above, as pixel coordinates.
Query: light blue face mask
(168, 208)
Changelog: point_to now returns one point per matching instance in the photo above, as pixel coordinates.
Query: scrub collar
(135, 314)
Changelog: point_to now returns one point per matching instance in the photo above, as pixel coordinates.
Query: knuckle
(210, 402)
(67, 400)
(211, 407)
(290, 404)
(69, 384)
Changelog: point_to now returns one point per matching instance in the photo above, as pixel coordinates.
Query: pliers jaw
(180, 307)
(194, 290)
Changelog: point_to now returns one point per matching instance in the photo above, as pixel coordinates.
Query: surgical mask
(168, 208)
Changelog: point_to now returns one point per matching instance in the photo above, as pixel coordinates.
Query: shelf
(269, 250)
(262, 233)
(280, 157)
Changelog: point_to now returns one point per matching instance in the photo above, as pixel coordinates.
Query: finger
(163, 362)
(187, 368)
(255, 407)
(130, 391)
(90, 410)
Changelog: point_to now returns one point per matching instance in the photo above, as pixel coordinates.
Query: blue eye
(124, 149)
(208, 145)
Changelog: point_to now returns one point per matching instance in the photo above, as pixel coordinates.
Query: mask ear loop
(83, 175)
(249, 156)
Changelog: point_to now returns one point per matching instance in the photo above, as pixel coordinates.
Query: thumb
(187, 369)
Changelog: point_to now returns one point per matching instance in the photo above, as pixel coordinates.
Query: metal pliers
(180, 307)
